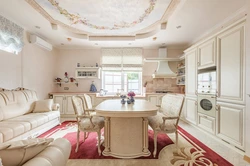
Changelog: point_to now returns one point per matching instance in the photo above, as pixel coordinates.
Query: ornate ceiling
(97, 19)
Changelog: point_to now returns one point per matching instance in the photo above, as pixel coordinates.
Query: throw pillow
(19, 152)
(43, 105)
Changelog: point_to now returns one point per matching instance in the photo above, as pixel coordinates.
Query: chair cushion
(97, 121)
(156, 121)
(43, 105)
(18, 152)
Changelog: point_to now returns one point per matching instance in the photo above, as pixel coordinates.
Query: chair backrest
(78, 105)
(88, 101)
(171, 104)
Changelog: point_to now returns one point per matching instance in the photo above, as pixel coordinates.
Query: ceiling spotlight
(37, 27)
(163, 44)
(129, 43)
(154, 38)
(62, 44)
(69, 39)
(178, 27)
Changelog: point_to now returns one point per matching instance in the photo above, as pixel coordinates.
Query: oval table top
(114, 108)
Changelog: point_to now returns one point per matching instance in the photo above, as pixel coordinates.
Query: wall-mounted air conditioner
(40, 42)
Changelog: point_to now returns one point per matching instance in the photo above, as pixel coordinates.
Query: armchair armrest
(164, 118)
(79, 117)
(55, 107)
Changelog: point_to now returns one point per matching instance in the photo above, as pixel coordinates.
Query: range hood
(163, 70)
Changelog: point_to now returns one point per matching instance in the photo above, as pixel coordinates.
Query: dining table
(126, 127)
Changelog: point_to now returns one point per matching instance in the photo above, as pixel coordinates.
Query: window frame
(122, 81)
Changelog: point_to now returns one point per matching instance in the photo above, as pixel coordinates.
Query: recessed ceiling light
(96, 44)
(163, 43)
(69, 39)
(62, 44)
(154, 38)
(129, 43)
(178, 27)
(37, 27)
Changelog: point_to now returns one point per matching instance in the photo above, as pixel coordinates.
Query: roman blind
(122, 59)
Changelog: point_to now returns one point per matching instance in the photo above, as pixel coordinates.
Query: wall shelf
(60, 83)
(87, 72)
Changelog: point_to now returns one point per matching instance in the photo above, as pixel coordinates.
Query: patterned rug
(191, 152)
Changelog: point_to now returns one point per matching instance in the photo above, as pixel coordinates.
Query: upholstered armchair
(167, 118)
(86, 122)
(88, 104)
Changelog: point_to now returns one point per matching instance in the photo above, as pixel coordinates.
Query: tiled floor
(228, 152)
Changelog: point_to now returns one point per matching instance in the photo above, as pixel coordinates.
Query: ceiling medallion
(121, 19)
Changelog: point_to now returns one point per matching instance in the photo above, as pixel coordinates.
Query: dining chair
(88, 104)
(86, 122)
(167, 118)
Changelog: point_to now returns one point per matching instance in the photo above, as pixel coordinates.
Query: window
(114, 81)
(122, 70)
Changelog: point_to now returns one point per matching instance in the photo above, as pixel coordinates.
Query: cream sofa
(36, 151)
(20, 117)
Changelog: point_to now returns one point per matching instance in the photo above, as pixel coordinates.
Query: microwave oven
(207, 82)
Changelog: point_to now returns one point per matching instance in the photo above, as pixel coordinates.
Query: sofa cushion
(9, 130)
(22, 150)
(35, 119)
(43, 105)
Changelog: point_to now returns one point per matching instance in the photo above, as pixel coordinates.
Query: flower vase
(123, 101)
(132, 99)
(129, 101)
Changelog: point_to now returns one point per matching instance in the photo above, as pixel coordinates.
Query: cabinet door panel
(207, 123)
(60, 101)
(191, 110)
(191, 73)
(206, 54)
(69, 106)
(230, 65)
(153, 99)
(230, 123)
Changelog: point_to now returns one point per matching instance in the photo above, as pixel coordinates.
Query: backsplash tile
(153, 84)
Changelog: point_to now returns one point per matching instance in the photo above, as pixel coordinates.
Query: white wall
(33, 68)
(10, 70)
(247, 125)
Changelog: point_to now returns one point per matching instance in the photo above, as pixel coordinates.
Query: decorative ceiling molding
(84, 20)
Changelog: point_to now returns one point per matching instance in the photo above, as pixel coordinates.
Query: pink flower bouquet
(131, 94)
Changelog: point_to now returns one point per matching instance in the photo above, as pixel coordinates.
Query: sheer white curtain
(11, 36)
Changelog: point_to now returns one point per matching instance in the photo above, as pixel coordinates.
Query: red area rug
(197, 154)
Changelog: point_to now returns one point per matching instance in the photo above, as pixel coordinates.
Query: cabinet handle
(196, 103)
(217, 107)
(196, 93)
(198, 63)
(213, 96)
(204, 116)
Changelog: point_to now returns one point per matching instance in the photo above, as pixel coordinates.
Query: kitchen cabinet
(190, 111)
(206, 122)
(155, 98)
(191, 72)
(231, 65)
(87, 72)
(66, 107)
(207, 54)
(230, 120)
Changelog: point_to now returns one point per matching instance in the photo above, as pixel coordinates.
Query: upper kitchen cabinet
(88, 72)
(191, 72)
(231, 66)
(207, 54)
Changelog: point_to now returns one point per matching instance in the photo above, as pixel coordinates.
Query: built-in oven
(207, 93)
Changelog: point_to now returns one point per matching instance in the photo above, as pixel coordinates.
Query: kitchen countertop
(106, 96)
